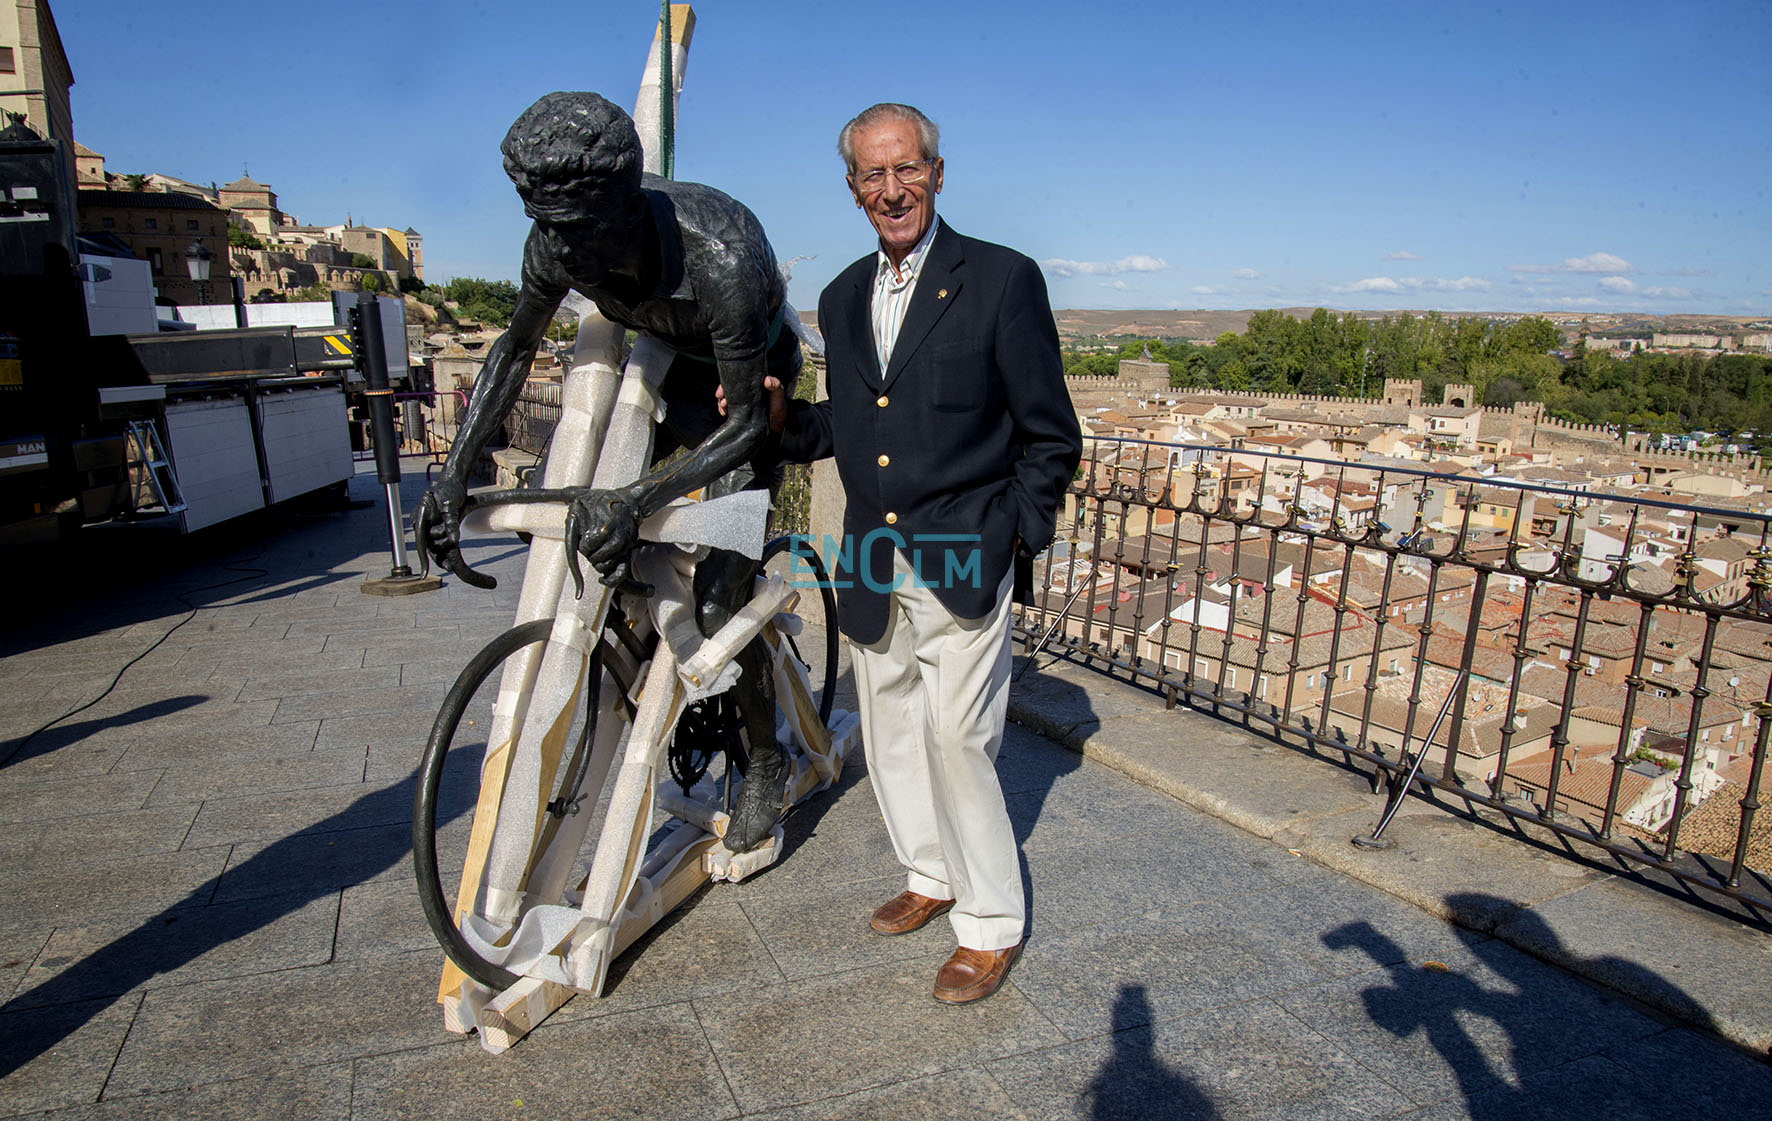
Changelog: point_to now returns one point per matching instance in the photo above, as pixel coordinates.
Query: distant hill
(1079, 324)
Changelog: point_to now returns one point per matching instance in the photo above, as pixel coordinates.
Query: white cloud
(1402, 255)
(1414, 284)
(1138, 262)
(1370, 284)
(1617, 284)
(1598, 263)
(1687, 272)
(1594, 264)
(1441, 284)
(1245, 274)
(1659, 293)
(1117, 285)
(1209, 289)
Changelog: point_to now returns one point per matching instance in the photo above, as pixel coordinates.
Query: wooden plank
(462, 1006)
(682, 879)
(518, 1011)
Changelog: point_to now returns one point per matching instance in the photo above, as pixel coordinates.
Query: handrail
(1325, 598)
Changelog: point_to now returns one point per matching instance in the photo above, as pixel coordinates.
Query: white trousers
(933, 692)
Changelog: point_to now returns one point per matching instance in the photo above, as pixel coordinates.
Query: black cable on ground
(249, 573)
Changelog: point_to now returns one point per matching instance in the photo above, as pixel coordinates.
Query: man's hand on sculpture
(603, 528)
(778, 403)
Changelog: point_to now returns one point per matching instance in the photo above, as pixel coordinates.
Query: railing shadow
(1135, 1084)
(165, 942)
(1438, 1002)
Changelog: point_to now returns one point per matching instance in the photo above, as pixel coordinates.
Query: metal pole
(1375, 839)
(1038, 646)
(667, 96)
(372, 359)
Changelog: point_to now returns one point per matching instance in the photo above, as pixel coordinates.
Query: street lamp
(197, 259)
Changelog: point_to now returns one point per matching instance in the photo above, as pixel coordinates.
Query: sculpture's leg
(724, 582)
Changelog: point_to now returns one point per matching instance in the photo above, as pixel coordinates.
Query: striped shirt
(893, 288)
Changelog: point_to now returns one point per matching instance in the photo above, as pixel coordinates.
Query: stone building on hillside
(159, 227)
(253, 204)
(35, 75)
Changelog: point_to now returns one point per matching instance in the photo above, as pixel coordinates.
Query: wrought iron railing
(424, 424)
(530, 423)
(1340, 605)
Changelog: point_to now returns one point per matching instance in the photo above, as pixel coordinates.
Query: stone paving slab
(940, 1097)
(194, 943)
(1202, 945)
(46, 845)
(60, 1055)
(314, 1094)
(53, 800)
(1249, 1060)
(648, 1063)
(783, 1045)
(214, 1031)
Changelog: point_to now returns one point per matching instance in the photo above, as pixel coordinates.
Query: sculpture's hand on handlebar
(778, 403)
(604, 528)
(438, 530)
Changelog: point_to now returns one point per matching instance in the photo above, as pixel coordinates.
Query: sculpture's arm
(495, 392)
(607, 522)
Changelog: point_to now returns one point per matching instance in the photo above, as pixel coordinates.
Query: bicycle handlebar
(451, 558)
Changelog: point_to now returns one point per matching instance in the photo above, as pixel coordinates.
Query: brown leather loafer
(905, 913)
(973, 974)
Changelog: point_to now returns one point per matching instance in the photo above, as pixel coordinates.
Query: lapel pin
(942, 295)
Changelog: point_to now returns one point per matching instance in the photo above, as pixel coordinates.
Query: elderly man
(690, 266)
(955, 438)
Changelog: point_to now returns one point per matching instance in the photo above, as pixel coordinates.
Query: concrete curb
(1698, 967)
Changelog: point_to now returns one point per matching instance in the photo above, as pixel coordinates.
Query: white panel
(307, 440)
(217, 466)
(307, 313)
(123, 302)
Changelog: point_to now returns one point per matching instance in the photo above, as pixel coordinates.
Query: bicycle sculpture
(680, 654)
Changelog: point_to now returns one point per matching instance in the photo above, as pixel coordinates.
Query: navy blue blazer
(967, 442)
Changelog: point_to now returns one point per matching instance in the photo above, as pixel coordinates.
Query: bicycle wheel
(817, 645)
(467, 706)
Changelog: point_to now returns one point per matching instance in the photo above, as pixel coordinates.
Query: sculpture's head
(575, 160)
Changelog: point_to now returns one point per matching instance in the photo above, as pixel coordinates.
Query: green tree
(489, 301)
(362, 261)
(242, 238)
(136, 181)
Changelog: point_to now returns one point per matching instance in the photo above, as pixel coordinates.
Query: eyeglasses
(910, 174)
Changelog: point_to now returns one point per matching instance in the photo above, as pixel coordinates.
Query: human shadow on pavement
(1440, 1001)
(58, 736)
(1135, 1084)
(306, 865)
(1028, 775)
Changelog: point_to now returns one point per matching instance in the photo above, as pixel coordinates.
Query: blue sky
(1511, 157)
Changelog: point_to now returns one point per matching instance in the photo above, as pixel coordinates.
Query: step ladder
(144, 439)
